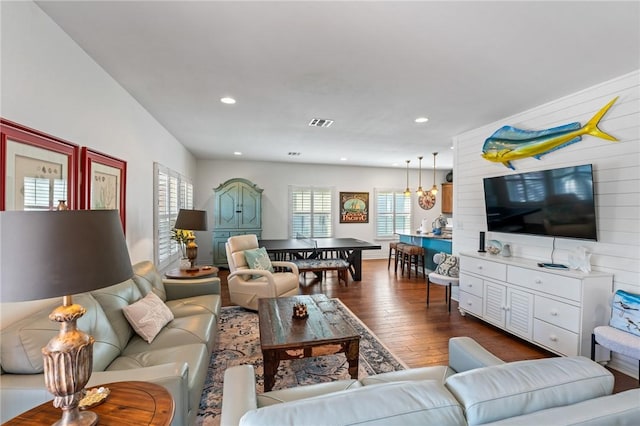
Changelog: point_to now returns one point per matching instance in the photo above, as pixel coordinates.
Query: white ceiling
(373, 67)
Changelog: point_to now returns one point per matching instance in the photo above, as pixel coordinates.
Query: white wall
(48, 83)
(616, 180)
(275, 178)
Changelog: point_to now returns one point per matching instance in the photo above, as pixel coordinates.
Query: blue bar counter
(432, 244)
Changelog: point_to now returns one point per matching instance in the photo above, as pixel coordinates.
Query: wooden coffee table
(324, 332)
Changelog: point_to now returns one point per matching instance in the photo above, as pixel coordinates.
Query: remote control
(553, 265)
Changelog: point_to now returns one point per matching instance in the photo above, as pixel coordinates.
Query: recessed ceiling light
(227, 100)
(343, 159)
(237, 153)
(421, 120)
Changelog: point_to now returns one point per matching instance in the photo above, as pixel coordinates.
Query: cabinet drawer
(221, 234)
(471, 284)
(486, 268)
(558, 285)
(555, 338)
(557, 313)
(470, 302)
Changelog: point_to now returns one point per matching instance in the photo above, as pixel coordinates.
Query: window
(310, 212)
(173, 192)
(393, 213)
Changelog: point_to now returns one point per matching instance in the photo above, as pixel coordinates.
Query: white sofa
(476, 388)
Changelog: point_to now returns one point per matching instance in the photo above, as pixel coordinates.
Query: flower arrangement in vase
(181, 236)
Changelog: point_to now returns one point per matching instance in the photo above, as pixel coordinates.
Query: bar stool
(393, 251)
(413, 255)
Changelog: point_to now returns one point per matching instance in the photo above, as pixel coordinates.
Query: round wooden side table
(129, 403)
(183, 274)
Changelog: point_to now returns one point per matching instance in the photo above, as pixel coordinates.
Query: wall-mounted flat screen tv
(556, 202)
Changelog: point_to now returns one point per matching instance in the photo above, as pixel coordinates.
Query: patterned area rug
(239, 344)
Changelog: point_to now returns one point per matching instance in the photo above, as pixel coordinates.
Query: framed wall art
(104, 181)
(354, 207)
(38, 170)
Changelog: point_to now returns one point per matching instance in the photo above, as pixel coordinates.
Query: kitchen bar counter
(432, 244)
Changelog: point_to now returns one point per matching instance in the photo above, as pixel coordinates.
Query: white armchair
(247, 285)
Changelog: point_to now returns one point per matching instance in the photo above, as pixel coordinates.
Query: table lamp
(48, 254)
(192, 220)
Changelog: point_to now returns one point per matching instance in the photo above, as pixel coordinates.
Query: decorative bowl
(494, 247)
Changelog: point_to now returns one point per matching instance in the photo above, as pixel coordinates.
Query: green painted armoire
(237, 211)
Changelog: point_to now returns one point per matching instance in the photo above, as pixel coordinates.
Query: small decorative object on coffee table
(300, 311)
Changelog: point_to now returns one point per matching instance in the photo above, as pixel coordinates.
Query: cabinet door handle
(537, 281)
(554, 313)
(553, 338)
(480, 267)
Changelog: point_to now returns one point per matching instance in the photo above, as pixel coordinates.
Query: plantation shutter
(393, 213)
(173, 192)
(311, 212)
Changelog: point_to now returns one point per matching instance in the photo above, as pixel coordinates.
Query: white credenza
(555, 309)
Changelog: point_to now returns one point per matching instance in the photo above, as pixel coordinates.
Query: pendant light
(407, 191)
(434, 189)
(420, 192)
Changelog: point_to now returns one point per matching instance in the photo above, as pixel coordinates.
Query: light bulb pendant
(434, 188)
(407, 191)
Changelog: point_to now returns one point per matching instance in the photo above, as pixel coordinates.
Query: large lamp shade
(192, 220)
(46, 254)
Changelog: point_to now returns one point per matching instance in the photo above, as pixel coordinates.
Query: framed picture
(38, 170)
(104, 181)
(354, 207)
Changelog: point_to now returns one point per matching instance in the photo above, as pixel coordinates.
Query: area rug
(239, 344)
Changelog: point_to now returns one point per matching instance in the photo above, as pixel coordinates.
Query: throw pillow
(448, 265)
(258, 259)
(625, 312)
(147, 316)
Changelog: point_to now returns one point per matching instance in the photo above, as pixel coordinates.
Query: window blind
(172, 193)
(311, 212)
(393, 213)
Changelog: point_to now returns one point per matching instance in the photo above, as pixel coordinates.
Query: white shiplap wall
(616, 182)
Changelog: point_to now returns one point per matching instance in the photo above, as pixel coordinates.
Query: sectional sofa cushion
(147, 316)
(620, 409)
(148, 279)
(494, 393)
(113, 299)
(401, 403)
(22, 341)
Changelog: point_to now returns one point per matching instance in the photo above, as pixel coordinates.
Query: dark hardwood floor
(394, 308)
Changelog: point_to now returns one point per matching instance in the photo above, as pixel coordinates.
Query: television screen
(556, 202)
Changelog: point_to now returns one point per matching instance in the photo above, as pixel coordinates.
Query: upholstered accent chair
(265, 278)
(446, 274)
(622, 334)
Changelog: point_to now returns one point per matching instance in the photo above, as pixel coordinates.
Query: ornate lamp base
(68, 362)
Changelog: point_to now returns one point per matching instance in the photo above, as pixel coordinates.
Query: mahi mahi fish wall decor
(510, 143)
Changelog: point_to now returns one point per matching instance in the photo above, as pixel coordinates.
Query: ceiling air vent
(320, 122)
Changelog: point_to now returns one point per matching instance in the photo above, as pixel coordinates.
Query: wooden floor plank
(394, 308)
